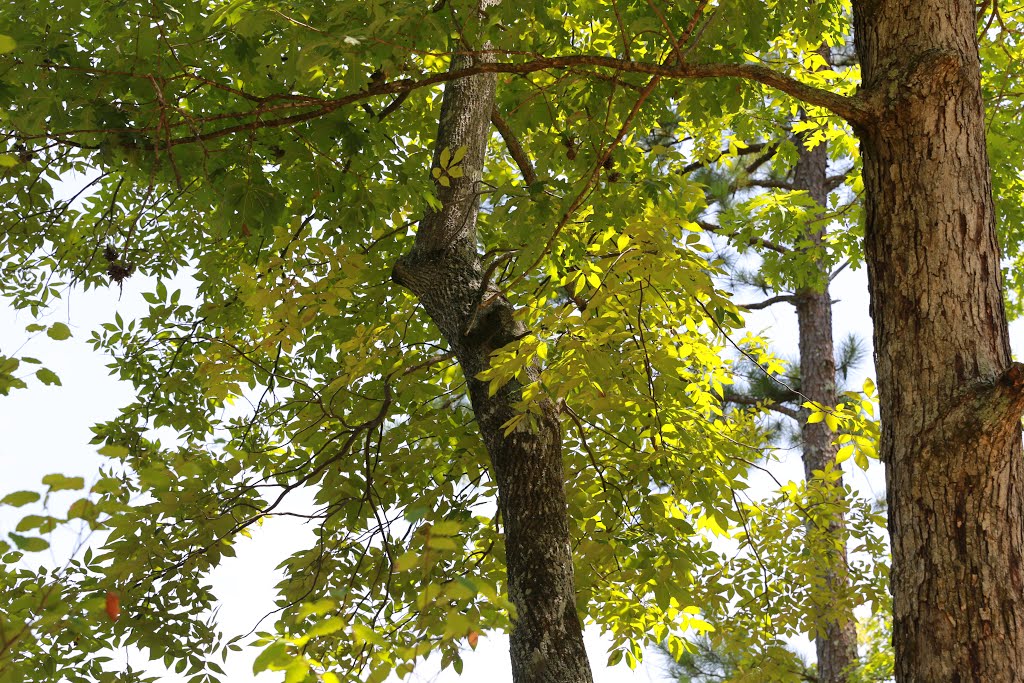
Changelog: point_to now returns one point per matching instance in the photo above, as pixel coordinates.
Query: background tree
(816, 379)
(778, 196)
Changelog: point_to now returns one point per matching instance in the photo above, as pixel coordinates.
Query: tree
(815, 380)
(294, 291)
(222, 110)
(444, 270)
(950, 395)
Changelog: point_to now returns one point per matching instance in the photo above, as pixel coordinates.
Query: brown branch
(588, 186)
(622, 31)
(753, 148)
(832, 182)
(395, 104)
(858, 109)
(677, 49)
(515, 149)
(697, 14)
(744, 400)
(841, 268)
(989, 410)
(769, 183)
(770, 151)
(760, 305)
(753, 241)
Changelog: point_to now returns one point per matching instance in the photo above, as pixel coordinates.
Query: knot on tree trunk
(935, 74)
(986, 412)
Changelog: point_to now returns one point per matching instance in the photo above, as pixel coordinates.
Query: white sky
(46, 429)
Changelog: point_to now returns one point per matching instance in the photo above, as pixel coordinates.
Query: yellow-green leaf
(58, 331)
(47, 377)
(19, 498)
(58, 482)
(325, 627)
(114, 451)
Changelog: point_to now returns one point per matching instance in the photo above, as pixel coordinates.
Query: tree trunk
(444, 271)
(950, 397)
(837, 645)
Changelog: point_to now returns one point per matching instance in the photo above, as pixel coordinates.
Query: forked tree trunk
(444, 271)
(950, 397)
(837, 645)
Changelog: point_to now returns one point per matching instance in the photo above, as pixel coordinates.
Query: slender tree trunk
(444, 271)
(950, 397)
(837, 645)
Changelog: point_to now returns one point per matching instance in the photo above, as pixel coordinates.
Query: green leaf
(459, 153)
(7, 44)
(47, 377)
(30, 544)
(326, 627)
(274, 655)
(406, 561)
(448, 527)
(58, 331)
(317, 607)
(296, 671)
(20, 498)
(58, 482)
(83, 508)
(29, 522)
(844, 453)
(861, 460)
(114, 451)
(432, 201)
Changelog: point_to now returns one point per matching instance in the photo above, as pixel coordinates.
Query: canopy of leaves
(278, 155)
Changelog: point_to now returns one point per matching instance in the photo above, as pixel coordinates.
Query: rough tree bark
(444, 271)
(950, 396)
(837, 645)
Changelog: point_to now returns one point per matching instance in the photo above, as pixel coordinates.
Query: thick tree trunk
(837, 645)
(950, 397)
(445, 272)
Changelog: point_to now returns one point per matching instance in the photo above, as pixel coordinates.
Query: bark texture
(837, 645)
(950, 397)
(444, 271)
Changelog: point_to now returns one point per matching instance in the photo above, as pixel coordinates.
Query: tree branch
(834, 181)
(757, 163)
(858, 109)
(771, 184)
(753, 241)
(515, 149)
(753, 148)
(744, 400)
(983, 412)
(780, 299)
